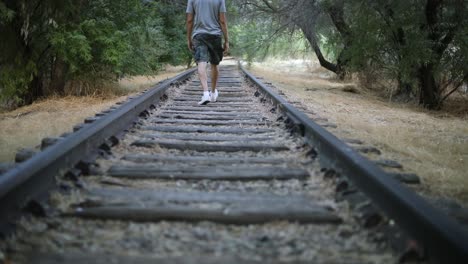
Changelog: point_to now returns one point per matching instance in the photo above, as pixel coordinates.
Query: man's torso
(206, 16)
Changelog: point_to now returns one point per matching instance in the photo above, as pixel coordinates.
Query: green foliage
(173, 28)
(251, 40)
(419, 44)
(23, 27)
(6, 14)
(14, 82)
(329, 38)
(73, 47)
(375, 40)
(47, 43)
(112, 38)
(457, 55)
(256, 38)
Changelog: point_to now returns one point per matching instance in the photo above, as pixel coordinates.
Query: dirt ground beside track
(432, 144)
(26, 126)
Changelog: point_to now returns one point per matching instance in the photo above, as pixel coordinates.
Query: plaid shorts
(208, 48)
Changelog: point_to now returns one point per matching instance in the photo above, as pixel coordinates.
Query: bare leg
(214, 77)
(203, 76)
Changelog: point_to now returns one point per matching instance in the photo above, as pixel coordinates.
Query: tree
(110, 39)
(25, 50)
(313, 18)
(49, 44)
(421, 44)
(172, 14)
(442, 22)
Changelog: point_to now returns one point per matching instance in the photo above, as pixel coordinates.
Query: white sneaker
(206, 98)
(214, 96)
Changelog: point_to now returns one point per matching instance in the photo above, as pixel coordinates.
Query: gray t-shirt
(206, 16)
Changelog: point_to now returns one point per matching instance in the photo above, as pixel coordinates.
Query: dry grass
(25, 127)
(432, 144)
(143, 82)
(122, 87)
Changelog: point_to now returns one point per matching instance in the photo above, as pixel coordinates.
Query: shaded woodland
(419, 46)
(48, 44)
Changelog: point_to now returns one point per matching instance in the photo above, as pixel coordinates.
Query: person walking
(206, 24)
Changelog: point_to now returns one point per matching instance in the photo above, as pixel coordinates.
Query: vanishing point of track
(161, 179)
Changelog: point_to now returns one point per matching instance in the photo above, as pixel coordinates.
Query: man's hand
(226, 48)
(190, 45)
(224, 28)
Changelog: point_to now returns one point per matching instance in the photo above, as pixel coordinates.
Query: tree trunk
(341, 63)
(36, 86)
(35, 91)
(310, 35)
(404, 89)
(304, 16)
(59, 76)
(336, 13)
(429, 91)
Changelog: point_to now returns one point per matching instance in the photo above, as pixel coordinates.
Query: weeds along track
(246, 179)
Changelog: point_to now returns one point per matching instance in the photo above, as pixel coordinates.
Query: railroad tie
(97, 258)
(206, 129)
(223, 207)
(219, 172)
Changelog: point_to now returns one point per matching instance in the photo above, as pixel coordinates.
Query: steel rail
(34, 177)
(443, 237)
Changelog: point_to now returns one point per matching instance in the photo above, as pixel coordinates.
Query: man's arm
(224, 28)
(189, 30)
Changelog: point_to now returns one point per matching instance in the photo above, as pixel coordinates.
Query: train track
(160, 179)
